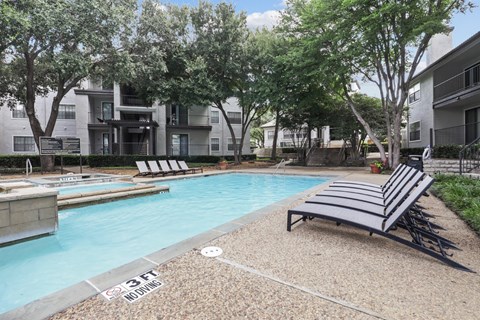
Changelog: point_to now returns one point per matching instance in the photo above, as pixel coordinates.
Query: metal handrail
(469, 157)
(28, 167)
(278, 166)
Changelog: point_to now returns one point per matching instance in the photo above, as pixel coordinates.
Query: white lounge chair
(184, 166)
(142, 169)
(154, 169)
(173, 164)
(165, 168)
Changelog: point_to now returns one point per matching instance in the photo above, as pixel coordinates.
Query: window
(107, 110)
(230, 144)
(287, 135)
(23, 144)
(270, 135)
(414, 93)
(415, 131)
(66, 112)
(235, 117)
(472, 75)
(19, 112)
(215, 117)
(215, 144)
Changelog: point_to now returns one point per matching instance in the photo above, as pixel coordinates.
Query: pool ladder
(278, 166)
(28, 167)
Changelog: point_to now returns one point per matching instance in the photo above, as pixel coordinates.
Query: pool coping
(55, 302)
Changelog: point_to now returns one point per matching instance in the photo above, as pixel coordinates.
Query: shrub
(462, 194)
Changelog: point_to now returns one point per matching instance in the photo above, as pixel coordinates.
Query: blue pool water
(92, 187)
(94, 239)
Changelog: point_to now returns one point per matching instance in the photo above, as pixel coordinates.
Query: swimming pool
(92, 187)
(97, 238)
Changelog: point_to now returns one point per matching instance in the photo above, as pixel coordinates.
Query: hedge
(439, 152)
(18, 161)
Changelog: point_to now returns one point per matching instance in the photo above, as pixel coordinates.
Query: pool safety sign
(135, 288)
(49, 145)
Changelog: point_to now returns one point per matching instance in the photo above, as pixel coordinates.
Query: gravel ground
(317, 271)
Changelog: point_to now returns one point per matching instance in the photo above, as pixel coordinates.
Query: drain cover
(211, 252)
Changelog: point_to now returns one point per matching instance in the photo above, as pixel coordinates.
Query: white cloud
(266, 19)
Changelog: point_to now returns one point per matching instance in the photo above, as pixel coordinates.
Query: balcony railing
(95, 118)
(458, 83)
(193, 120)
(191, 150)
(458, 135)
(132, 101)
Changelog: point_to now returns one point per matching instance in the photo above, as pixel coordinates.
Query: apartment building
(444, 99)
(111, 119)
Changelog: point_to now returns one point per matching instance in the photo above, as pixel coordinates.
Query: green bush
(17, 162)
(462, 194)
(438, 152)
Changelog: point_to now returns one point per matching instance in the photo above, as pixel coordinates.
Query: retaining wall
(27, 212)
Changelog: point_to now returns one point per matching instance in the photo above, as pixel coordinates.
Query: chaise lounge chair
(370, 196)
(142, 169)
(173, 164)
(355, 201)
(184, 166)
(397, 173)
(155, 170)
(165, 167)
(421, 240)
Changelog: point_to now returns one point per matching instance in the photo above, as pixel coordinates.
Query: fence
(457, 135)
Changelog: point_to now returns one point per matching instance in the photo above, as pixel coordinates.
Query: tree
(58, 44)
(161, 56)
(350, 130)
(384, 41)
(219, 37)
(254, 83)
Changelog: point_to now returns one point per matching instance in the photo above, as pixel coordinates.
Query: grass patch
(461, 194)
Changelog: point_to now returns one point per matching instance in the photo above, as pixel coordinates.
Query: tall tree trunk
(275, 134)
(219, 105)
(47, 162)
(369, 130)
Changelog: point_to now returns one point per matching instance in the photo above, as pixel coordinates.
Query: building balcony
(464, 85)
(457, 135)
(132, 101)
(192, 122)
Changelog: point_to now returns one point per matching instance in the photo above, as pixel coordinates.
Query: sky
(265, 12)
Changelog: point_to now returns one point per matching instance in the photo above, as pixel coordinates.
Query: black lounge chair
(358, 202)
(397, 173)
(354, 201)
(421, 240)
(375, 197)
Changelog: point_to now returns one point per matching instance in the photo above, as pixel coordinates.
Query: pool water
(92, 187)
(94, 239)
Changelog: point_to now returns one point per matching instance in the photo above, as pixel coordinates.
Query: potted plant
(223, 164)
(376, 166)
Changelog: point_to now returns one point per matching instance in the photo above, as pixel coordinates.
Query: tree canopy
(55, 45)
(384, 41)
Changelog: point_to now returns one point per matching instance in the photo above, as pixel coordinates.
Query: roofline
(458, 48)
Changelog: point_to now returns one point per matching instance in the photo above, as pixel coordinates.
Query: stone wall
(441, 166)
(26, 213)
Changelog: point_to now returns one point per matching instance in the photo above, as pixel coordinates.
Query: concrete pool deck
(316, 271)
